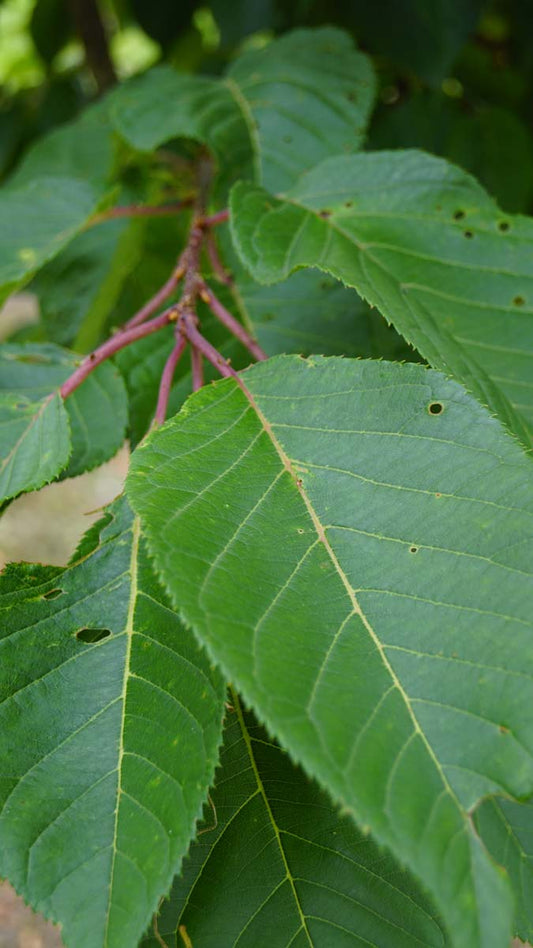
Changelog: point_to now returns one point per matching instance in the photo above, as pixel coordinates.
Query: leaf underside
(110, 718)
(341, 537)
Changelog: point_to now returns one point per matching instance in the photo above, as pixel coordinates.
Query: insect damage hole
(435, 408)
(53, 593)
(413, 549)
(89, 636)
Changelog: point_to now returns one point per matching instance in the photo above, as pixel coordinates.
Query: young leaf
(97, 410)
(34, 442)
(110, 722)
(352, 542)
(507, 830)
(311, 877)
(424, 243)
(37, 219)
(278, 112)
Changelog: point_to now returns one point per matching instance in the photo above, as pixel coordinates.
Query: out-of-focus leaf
(34, 442)
(50, 27)
(97, 410)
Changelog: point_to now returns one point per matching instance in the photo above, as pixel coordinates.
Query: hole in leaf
(519, 301)
(53, 593)
(468, 234)
(503, 226)
(458, 215)
(92, 635)
(413, 549)
(435, 408)
(300, 529)
(324, 213)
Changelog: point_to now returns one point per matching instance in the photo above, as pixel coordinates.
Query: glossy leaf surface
(343, 539)
(424, 243)
(114, 746)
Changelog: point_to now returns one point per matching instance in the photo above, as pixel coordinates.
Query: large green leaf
(278, 112)
(97, 410)
(507, 830)
(312, 878)
(306, 96)
(424, 243)
(352, 541)
(37, 219)
(110, 722)
(34, 442)
(164, 104)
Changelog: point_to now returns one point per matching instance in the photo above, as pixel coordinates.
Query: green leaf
(110, 721)
(424, 243)
(306, 96)
(352, 542)
(37, 220)
(82, 284)
(507, 830)
(163, 104)
(34, 442)
(97, 410)
(279, 111)
(84, 149)
(311, 877)
(419, 37)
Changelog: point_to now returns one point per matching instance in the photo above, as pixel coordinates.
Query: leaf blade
(261, 804)
(99, 806)
(35, 445)
(424, 243)
(346, 702)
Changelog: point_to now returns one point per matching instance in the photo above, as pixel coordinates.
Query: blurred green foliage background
(455, 75)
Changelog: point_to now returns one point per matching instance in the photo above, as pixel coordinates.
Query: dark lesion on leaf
(458, 215)
(504, 226)
(518, 301)
(89, 636)
(435, 408)
(413, 549)
(324, 213)
(53, 593)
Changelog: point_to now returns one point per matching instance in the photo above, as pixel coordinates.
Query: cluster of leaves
(345, 540)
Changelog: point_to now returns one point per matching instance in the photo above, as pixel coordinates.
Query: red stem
(213, 219)
(117, 342)
(197, 365)
(211, 354)
(139, 210)
(231, 323)
(166, 380)
(219, 269)
(159, 298)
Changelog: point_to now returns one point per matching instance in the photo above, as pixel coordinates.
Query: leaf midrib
(356, 607)
(261, 788)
